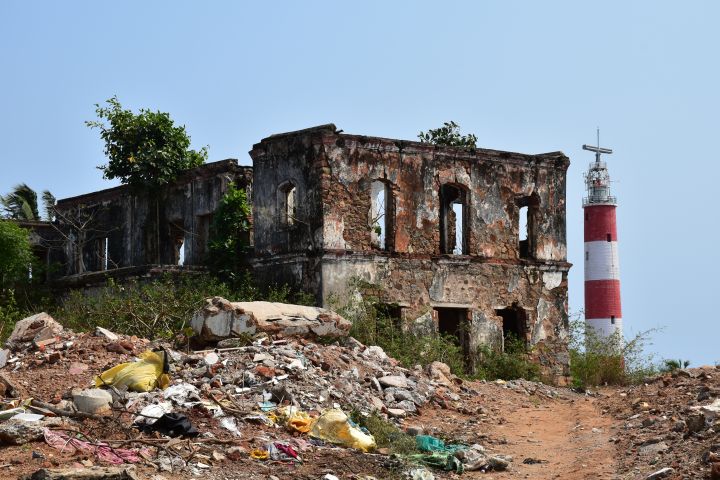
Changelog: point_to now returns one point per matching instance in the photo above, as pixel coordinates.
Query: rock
(8, 388)
(662, 473)
(695, 422)
(651, 448)
(499, 462)
(4, 355)
(396, 412)
(93, 473)
(710, 411)
(104, 332)
(93, 400)
(37, 328)
(396, 381)
(221, 319)
(439, 372)
(211, 359)
(15, 432)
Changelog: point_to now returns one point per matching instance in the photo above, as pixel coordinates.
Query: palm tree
(48, 200)
(21, 203)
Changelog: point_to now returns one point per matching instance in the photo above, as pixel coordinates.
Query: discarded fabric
(105, 453)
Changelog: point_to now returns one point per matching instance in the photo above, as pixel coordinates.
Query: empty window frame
(380, 216)
(527, 213)
(287, 203)
(454, 217)
(103, 253)
(514, 323)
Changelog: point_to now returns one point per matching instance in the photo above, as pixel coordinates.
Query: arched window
(454, 228)
(380, 215)
(287, 203)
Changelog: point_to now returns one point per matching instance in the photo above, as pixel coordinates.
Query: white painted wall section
(601, 261)
(604, 327)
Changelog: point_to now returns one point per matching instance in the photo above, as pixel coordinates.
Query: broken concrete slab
(104, 332)
(220, 319)
(396, 381)
(17, 432)
(93, 473)
(36, 328)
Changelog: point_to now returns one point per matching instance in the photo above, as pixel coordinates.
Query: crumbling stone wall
(333, 173)
(117, 229)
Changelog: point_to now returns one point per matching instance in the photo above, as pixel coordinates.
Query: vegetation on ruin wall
(371, 327)
(227, 244)
(144, 150)
(448, 135)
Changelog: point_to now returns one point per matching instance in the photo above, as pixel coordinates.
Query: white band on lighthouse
(601, 261)
(604, 327)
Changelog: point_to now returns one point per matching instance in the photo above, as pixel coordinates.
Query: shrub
(387, 434)
(597, 360)
(371, 326)
(160, 308)
(510, 364)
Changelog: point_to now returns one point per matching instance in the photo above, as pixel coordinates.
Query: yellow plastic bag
(141, 376)
(300, 422)
(333, 427)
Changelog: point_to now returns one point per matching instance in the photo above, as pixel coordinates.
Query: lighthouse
(602, 268)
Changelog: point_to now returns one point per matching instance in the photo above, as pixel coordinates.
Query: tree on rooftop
(145, 150)
(448, 135)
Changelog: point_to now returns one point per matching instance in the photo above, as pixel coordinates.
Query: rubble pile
(670, 426)
(108, 399)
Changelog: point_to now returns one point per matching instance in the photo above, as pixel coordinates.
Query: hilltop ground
(549, 432)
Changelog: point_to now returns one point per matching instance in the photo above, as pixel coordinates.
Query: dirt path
(571, 438)
(568, 435)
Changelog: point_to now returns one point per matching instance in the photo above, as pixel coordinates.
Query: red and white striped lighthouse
(602, 268)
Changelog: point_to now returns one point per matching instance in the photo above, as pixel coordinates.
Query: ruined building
(466, 242)
(120, 233)
(469, 242)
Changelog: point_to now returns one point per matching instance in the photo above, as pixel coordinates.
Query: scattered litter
(148, 372)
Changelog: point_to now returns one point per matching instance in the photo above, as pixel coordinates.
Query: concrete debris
(221, 319)
(93, 473)
(93, 400)
(38, 328)
(13, 432)
(104, 332)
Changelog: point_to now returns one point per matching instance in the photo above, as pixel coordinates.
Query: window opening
(288, 203)
(587, 255)
(453, 220)
(391, 312)
(181, 252)
(527, 212)
(379, 214)
(609, 237)
(612, 320)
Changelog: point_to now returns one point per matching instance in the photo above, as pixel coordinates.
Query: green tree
(146, 149)
(48, 200)
(448, 135)
(229, 235)
(21, 203)
(15, 254)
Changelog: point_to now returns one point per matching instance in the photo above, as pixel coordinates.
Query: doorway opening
(454, 322)
(514, 327)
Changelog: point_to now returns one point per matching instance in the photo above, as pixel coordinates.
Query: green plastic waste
(427, 443)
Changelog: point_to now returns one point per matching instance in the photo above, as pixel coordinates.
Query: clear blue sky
(524, 76)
